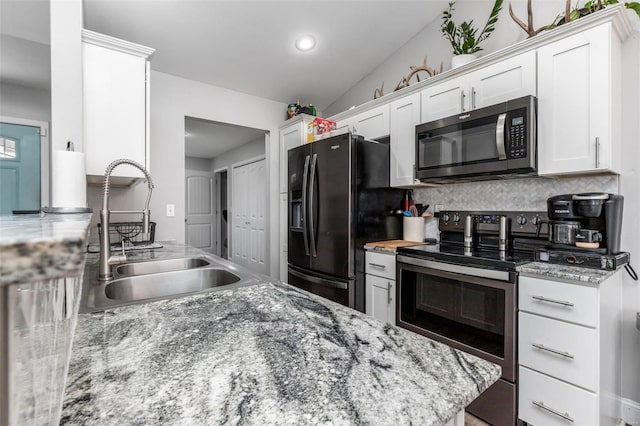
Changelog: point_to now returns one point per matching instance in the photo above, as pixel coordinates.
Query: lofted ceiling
(247, 46)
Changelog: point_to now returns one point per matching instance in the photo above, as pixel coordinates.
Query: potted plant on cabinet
(464, 38)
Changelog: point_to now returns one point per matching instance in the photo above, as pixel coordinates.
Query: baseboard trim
(630, 411)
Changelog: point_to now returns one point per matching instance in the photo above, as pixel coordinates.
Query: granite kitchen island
(262, 354)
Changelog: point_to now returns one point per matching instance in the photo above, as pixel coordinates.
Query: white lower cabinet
(380, 291)
(569, 336)
(546, 401)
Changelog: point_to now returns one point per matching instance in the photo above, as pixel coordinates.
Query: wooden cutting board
(390, 245)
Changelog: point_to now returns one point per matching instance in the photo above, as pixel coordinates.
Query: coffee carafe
(590, 221)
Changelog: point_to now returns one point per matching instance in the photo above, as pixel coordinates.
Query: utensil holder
(413, 229)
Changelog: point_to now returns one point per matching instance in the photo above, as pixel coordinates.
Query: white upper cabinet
(505, 80)
(444, 99)
(579, 103)
(116, 106)
(292, 133)
(372, 124)
(405, 115)
(499, 82)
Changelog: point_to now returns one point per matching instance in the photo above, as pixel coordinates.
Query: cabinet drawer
(380, 264)
(559, 349)
(544, 401)
(568, 302)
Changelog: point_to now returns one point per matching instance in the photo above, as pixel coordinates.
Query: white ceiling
(247, 46)
(207, 139)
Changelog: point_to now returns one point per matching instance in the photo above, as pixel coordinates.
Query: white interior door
(199, 218)
(249, 192)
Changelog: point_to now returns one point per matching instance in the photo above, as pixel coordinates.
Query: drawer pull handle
(558, 302)
(565, 416)
(377, 265)
(388, 293)
(555, 351)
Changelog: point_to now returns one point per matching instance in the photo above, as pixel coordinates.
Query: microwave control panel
(517, 134)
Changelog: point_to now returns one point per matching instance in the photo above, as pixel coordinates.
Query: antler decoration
(379, 92)
(406, 81)
(528, 28)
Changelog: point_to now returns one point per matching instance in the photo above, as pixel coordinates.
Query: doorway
(222, 210)
(219, 148)
(23, 152)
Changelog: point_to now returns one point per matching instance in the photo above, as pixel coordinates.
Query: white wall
(431, 43)
(66, 74)
(25, 102)
(195, 163)
(172, 99)
(630, 185)
(247, 151)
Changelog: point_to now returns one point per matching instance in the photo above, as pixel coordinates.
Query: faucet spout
(106, 260)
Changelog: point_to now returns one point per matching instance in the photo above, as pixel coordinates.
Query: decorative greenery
(590, 7)
(464, 38)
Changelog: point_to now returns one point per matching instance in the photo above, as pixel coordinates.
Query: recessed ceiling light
(305, 42)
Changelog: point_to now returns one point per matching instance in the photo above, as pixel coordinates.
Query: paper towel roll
(68, 180)
(413, 228)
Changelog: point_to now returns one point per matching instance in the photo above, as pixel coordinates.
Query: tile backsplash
(512, 194)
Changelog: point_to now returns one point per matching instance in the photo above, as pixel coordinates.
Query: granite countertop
(267, 353)
(38, 247)
(565, 272)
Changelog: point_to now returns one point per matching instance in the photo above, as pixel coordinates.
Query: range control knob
(456, 218)
(446, 218)
(521, 219)
(536, 220)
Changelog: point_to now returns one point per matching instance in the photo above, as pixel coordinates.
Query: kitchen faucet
(106, 259)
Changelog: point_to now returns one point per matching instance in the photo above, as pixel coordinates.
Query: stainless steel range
(463, 292)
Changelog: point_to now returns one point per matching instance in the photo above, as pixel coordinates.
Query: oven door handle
(500, 142)
(456, 269)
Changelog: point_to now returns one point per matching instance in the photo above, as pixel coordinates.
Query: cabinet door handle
(565, 416)
(597, 152)
(462, 96)
(558, 302)
(555, 351)
(388, 292)
(377, 265)
(473, 98)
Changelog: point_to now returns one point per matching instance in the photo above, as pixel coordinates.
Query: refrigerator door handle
(312, 182)
(305, 179)
(317, 280)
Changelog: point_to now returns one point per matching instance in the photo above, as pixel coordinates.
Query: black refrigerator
(339, 199)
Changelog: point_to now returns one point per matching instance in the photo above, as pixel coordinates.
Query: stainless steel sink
(156, 279)
(176, 283)
(158, 266)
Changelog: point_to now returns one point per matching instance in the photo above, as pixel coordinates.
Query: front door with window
(19, 168)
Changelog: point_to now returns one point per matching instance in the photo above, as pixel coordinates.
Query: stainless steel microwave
(491, 142)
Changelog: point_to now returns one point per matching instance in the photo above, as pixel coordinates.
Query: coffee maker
(585, 230)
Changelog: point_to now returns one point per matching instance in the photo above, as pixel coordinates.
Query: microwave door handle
(305, 179)
(500, 142)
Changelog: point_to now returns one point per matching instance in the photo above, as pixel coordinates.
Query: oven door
(468, 308)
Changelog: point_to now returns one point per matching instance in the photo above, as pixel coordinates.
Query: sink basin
(176, 283)
(157, 266)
